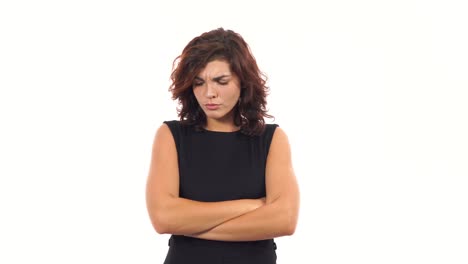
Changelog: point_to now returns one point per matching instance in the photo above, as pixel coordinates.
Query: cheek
(233, 94)
(196, 93)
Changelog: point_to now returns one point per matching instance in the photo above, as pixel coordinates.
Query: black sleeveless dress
(220, 166)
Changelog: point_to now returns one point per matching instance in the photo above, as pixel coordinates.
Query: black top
(219, 166)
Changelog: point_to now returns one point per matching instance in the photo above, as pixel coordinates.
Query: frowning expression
(217, 90)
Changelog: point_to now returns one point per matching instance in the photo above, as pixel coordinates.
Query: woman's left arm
(278, 217)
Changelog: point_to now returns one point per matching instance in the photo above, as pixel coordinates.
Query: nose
(210, 91)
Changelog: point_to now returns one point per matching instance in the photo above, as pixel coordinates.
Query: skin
(237, 220)
(216, 84)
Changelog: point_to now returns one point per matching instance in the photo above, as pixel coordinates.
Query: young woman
(221, 180)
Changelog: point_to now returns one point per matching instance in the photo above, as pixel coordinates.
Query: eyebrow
(215, 78)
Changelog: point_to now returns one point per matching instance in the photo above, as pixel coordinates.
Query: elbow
(290, 229)
(290, 221)
(161, 217)
(160, 223)
(159, 214)
(289, 226)
(287, 220)
(160, 228)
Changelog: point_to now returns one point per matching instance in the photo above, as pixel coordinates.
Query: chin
(214, 116)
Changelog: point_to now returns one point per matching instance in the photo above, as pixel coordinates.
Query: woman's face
(217, 91)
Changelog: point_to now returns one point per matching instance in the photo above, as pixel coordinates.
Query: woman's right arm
(171, 214)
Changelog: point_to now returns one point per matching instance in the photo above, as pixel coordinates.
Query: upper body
(219, 166)
(220, 89)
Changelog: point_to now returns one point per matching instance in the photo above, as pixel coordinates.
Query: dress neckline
(220, 132)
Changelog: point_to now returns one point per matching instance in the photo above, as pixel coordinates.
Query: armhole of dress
(270, 131)
(173, 127)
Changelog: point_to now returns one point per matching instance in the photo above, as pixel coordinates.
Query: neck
(217, 125)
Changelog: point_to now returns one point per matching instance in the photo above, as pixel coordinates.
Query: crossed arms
(236, 220)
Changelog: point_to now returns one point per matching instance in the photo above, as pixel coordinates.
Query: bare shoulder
(279, 156)
(163, 131)
(280, 134)
(163, 137)
(163, 173)
(279, 174)
(164, 153)
(280, 146)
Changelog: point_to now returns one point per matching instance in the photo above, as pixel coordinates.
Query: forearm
(181, 216)
(269, 221)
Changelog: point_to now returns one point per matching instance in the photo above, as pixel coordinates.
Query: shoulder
(179, 125)
(280, 141)
(271, 126)
(177, 130)
(175, 126)
(269, 130)
(170, 130)
(269, 134)
(171, 124)
(167, 127)
(166, 131)
(280, 135)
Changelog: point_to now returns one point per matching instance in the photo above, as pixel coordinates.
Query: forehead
(214, 68)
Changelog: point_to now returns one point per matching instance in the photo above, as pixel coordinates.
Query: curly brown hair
(221, 44)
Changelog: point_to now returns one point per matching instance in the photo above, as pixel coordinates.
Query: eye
(223, 82)
(197, 83)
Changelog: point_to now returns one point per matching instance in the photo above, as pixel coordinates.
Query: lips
(212, 106)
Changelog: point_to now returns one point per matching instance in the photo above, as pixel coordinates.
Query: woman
(221, 181)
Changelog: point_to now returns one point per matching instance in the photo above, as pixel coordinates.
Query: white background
(373, 96)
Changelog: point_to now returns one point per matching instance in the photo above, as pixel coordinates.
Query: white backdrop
(373, 96)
